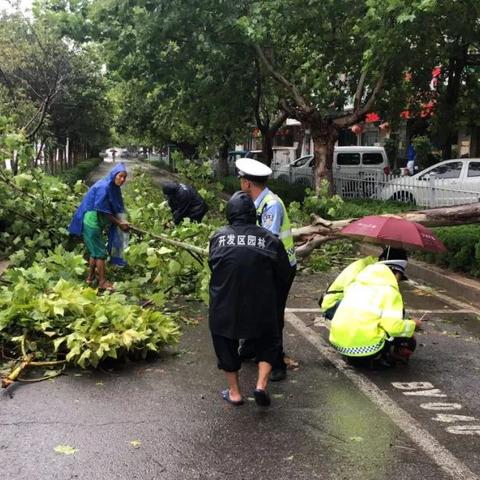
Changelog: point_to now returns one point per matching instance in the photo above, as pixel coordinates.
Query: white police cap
(250, 168)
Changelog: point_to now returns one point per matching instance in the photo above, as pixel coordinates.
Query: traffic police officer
(368, 327)
(272, 215)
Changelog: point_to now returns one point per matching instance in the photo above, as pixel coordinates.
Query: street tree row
(54, 109)
(205, 72)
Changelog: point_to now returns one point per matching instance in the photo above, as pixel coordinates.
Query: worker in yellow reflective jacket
(368, 327)
(334, 294)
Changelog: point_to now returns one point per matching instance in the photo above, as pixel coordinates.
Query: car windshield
(302, 161)
(447, 170)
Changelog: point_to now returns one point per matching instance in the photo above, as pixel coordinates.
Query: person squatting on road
(330, 301)
(271, 215)
(249, 268)
(184, 202)
(368, 328)
(102, 206)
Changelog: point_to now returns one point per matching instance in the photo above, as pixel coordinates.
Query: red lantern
(372, 117)
(356, 129)
(405, 114)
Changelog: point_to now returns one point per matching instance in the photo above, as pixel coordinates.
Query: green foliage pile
(44, 302)
(463, 245)
(155, 269)
(80, 171)
(46, 308)
(35, 210)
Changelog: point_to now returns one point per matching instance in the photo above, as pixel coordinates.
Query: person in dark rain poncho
(249, 266)
(184, 202)
(101, 206)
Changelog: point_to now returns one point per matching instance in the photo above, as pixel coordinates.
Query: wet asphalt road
(320, 424)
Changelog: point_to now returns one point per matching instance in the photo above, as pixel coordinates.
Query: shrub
(463, 245)
(288, 192)
(79, 171)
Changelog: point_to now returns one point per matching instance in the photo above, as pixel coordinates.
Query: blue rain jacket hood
(103, 196)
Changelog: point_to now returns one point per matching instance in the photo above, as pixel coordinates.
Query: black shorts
(226, 349)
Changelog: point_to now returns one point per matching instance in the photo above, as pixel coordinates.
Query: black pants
(246, 350)
(226, 349)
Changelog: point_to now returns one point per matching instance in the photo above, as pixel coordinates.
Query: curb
(456, 286)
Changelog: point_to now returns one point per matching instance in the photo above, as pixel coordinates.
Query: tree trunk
(267, 142)
(222, 168)
(321, 231)
(447, 118)
(324, 136)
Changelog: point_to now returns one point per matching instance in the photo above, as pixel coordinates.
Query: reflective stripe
(360, 351)
(406, 330)
(285, 234)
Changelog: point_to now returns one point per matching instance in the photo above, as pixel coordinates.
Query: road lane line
(429, 444)
(445, 298)
(409, 310)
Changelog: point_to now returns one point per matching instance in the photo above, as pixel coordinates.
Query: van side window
(348, 159)
(372, 159)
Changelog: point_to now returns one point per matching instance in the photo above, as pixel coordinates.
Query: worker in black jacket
(249, 269)
(184, 201)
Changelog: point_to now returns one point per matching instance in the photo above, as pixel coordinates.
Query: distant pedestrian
(184, 202)
(411, 157)
(249, 270)
(271, 215)
(102, 206)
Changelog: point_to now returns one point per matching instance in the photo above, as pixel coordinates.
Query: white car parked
(451, 182)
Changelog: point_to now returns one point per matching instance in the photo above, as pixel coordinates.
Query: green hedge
(362, 208)
(286, 191)
(463, 245)
(79, 171)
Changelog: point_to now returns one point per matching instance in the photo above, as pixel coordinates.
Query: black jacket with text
(249, 270)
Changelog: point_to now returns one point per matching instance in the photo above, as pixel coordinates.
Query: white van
(358, 160)
(354, 161)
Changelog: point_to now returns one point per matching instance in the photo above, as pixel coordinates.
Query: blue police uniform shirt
(272, 215)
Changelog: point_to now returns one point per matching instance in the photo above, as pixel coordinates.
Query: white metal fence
(431, 192)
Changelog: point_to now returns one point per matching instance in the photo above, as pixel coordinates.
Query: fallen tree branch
(321, 231)
(163, 238)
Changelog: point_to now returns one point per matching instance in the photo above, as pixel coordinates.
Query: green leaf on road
(135, 443)
(65, 449)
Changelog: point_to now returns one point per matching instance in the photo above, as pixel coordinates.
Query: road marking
(409, 310)
(445, 298)
(429, 444)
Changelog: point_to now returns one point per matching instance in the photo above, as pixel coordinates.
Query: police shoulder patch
(267, 220)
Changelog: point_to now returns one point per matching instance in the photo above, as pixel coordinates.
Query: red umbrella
(394, 231)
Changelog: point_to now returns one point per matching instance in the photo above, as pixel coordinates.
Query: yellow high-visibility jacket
(371, 311)
(337, 288)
